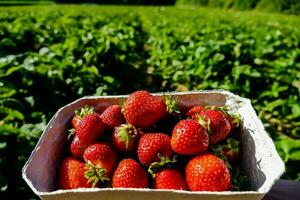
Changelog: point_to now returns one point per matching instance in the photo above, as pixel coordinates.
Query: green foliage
(245, 4)
(286, 6)
(283, 6)
(52, 56)
(192, 2)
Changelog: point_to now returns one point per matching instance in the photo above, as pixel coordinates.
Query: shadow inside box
(284, 190)
(250, 163)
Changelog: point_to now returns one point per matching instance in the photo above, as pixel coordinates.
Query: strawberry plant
(50, 56)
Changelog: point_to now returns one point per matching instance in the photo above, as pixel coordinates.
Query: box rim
(95, 190)
(39, 193)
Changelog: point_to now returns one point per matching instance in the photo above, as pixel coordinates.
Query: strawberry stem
(164, 161)
(94, 174)
(225, 110)
(126, 132)
(84, 111)
(71, 133)
(204, 123)
(171, 105)
(123, 104)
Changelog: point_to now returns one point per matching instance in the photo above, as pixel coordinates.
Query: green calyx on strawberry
(203, 121)
(217, 125)
(151, 145)
(233, 119)
(71, 174)
(229, 151)
(171, 105)
(195, 110)
(101, 159)
(124, 137)
(90, 128)
(93, 174)
(163, 162)
(79, 114)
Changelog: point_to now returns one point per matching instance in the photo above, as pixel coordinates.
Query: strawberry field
(52, 56)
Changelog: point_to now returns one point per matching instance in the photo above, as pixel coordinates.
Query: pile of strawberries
(149, 143)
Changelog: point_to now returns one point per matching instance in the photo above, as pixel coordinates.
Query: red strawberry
(90, 128)
(207, 172)
(102, 155)
(77, 147)
(71, 174)
(75, 121)
(229, 150)
(169, 179)
(195, 110)
(153, 145)
(79, 114)
(189, 137)
(142, 109)
(218, 126)
(125, 137)
(233, 119)
(112, 117)
(129, 174)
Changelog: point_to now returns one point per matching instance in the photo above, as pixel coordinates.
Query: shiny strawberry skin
(189, 138)
(218, 125)
(142, 109)
(90, 128)
(169, 179)
(192, 113)
(129, 174)
(152, 144)
(207, 172)
(112, 117)
(102, 155)
(71, 174)
(77, 147)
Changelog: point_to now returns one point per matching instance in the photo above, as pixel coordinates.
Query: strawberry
(77, 147)
(218, 126)
(152, 146)
(233, 119)
(90, 128)
(71, 174)
(207, 172)
(129, 174)
(101, 159)
(112, 117)
(195, 110)
(169, 179)
(189, 137)
(142, 109)
(125, 137)
(79, 114)
(229, 150)
(102, 155)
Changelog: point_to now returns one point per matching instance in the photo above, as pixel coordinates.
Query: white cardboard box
(259, 157)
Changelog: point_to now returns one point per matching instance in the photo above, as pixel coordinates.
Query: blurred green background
(52, 54)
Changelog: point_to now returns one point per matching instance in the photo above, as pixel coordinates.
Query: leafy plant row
(52, 56)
